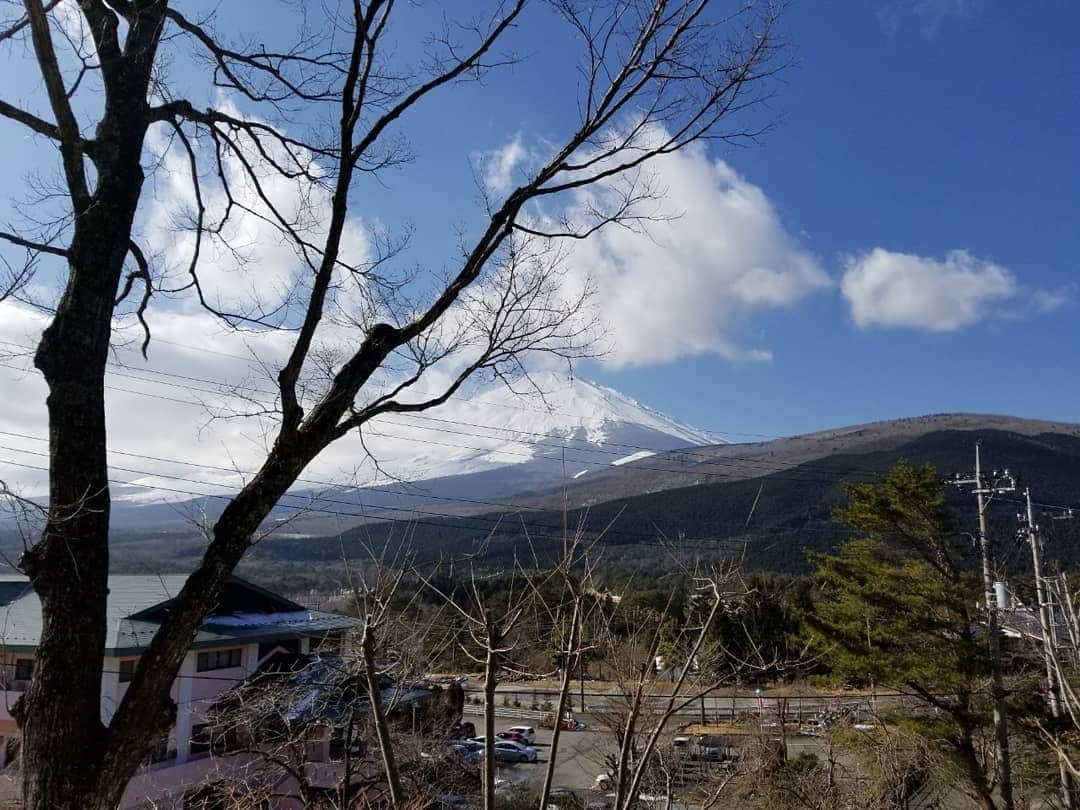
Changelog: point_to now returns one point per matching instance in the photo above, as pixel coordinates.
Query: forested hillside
(772, 520)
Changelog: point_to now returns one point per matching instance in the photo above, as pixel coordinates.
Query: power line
(315, 482)
(703, 544)
(833, 474)
(253, 365)
(553, 442)
(231, 390)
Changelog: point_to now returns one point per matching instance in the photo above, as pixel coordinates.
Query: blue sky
(918, 142)
(918, 127)
(917, 199)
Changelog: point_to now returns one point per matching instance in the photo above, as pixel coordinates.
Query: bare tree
(368, 703)
(656, 76)
(492, 626)
(668, 666)
(276, 718)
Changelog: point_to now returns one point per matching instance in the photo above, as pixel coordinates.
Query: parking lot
(581, 757)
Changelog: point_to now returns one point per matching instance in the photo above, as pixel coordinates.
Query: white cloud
(929, 15)
(498, 166)
(891, 290)
(251, 266)
(933, 13)
(692, 284)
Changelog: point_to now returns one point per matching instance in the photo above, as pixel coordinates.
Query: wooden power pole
(983, 487)
(1068, 791)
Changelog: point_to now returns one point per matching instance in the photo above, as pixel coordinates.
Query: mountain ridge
(744, 460)
(770, 521)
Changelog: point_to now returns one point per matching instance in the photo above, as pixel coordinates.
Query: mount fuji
(472, 453)
(547, 418)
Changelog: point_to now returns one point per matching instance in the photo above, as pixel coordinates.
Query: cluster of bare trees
(389, 745)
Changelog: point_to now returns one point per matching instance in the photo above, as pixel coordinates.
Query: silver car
(509, 751)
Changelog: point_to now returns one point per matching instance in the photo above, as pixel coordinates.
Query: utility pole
(1068, 792)
(983, 487)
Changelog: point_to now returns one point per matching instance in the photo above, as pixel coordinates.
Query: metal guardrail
(502, 711)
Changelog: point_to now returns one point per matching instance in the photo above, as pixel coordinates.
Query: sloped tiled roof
(137, 603)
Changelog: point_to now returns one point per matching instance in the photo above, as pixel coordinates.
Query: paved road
(715, 707)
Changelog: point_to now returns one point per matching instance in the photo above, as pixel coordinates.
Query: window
(355, 749)
(289, 645)
(205, 738)
(218, 659)
(24, 669)
(327, 643)
(200, 739)
(127, 669)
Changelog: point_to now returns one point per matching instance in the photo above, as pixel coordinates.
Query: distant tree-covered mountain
(770, 520)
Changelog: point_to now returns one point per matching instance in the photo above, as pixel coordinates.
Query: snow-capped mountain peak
(574, 408)
(547, 418)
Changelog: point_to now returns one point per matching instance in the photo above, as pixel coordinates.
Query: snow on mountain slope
(537, 436)
(490, 443)
(577, 410)
(553, 420)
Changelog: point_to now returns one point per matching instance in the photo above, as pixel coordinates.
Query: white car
(528, 733)
(509, 751)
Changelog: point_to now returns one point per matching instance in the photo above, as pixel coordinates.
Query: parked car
(563, 799)
(513, 736)
(508, 751)
(463, 731)
(467, 750)
(527, 732)
(604, 781)
(712, 753)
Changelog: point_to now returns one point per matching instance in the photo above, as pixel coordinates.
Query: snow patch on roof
(261, 619)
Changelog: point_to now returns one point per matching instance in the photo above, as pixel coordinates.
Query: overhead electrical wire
(253, 365)
(494, 523)
(826, 473)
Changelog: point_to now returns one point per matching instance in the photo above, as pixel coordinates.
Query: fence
(502, 711)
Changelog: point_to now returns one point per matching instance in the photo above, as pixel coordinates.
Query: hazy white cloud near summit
(693, 283)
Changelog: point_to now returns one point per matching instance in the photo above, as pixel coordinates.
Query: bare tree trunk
(966, 749)
(61, 746)
(62, 739)
(382, 731)
(491, 680)
(624, 773)
(572, 648)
